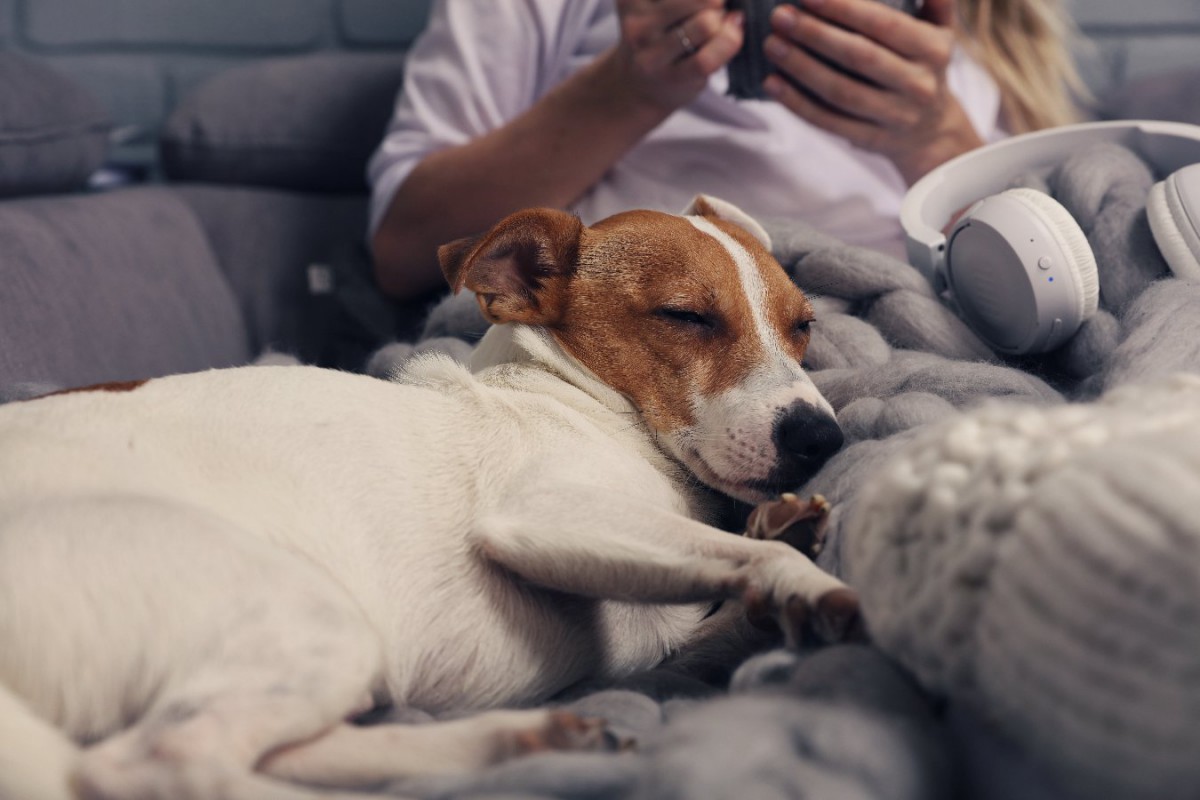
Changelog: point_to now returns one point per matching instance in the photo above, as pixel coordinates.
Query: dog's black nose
(807, 437)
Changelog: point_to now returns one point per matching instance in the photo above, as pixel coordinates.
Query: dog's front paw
(798, 523)
(558, 730)
(804, 601)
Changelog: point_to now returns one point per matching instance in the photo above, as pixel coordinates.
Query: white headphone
(1016, 264)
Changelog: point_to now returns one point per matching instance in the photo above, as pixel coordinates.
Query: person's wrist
(621, 84)
(948, 143)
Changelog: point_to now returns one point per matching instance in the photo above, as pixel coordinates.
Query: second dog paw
(799, 523)
(564, 731)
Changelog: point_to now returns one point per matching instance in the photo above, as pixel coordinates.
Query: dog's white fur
(201, 578)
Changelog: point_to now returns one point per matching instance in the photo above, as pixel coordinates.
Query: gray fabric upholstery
(107, 287)
(267, 241)
(53, 134)
(305, 123)
(1171, 96)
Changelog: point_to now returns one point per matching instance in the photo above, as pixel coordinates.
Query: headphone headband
(935, 198)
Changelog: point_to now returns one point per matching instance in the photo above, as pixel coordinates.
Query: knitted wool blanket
(1021, 533)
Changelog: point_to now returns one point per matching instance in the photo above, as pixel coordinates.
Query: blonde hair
(1025, 45)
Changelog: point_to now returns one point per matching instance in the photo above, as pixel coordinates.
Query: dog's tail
(36, 760)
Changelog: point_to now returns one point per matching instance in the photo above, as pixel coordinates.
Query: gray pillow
(307, 123)
(53, 134)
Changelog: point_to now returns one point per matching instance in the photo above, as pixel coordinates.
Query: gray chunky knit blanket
(1024, 536)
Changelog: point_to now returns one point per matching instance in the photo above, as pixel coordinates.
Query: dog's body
(206, 574)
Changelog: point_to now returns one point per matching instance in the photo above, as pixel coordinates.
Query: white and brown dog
(202, 578)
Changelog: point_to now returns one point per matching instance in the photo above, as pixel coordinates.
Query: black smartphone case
(749, 68)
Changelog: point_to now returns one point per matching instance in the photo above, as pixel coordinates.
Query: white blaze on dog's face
(689, 317)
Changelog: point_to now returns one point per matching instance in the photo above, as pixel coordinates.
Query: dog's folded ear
(704, 205)
(519, 268)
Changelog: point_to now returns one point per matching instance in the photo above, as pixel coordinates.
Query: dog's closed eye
(684, 316)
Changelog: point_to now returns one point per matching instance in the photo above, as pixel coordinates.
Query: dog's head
(688, 316)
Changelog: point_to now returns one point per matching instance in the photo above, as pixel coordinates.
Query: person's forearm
(548, 156)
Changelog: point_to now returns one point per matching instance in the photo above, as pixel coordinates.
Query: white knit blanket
(1042, 566)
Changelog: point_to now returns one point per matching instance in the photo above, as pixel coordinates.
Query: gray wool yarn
(388, 361)
(1162, 335)
(1042, 566)
(456, 315)
(961, 383)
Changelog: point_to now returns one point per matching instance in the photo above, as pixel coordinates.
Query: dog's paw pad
(837, 617)
(566, 731)
(799, 523)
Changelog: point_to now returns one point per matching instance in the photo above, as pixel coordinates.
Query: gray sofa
(253, 243)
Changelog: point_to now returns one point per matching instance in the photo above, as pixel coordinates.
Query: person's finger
(911, 38)
(644, 22)
(857, 132)
(685, 39)
(835, 88)
(862, 56)
(722, 46)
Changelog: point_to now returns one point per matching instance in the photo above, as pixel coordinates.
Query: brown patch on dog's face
(658, 311)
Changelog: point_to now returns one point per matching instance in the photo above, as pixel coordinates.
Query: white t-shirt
(480, 63)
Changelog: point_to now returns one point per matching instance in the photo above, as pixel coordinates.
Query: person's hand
(903, 109)
(671, 47)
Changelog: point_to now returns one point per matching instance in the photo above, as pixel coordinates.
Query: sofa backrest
(142, 57)
(143, 61)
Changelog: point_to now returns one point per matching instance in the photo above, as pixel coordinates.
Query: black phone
(749, 68)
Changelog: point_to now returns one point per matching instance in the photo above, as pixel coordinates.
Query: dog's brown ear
(518, 269)
(453, 257)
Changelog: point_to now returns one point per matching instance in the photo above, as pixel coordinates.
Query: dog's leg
(204, 738)
(363, 757)
(729, 636)
(244, 647)
(580, 540)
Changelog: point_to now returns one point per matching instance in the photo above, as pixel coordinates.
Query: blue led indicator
(1051, 279)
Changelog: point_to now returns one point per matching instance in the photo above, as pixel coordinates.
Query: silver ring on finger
(689, 49)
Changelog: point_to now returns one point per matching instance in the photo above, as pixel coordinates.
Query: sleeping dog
(203, 577)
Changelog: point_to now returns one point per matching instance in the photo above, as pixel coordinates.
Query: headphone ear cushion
(1071, 240)
(1174, 232)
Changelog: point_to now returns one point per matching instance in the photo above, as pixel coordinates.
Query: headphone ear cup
(1021, 272)
(1175, 233)
(1072, 241)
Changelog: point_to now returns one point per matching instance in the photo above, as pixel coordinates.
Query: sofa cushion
(308, 123)
(53, 134)
(107, 287)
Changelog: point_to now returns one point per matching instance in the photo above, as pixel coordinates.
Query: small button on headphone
(1015, 263)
